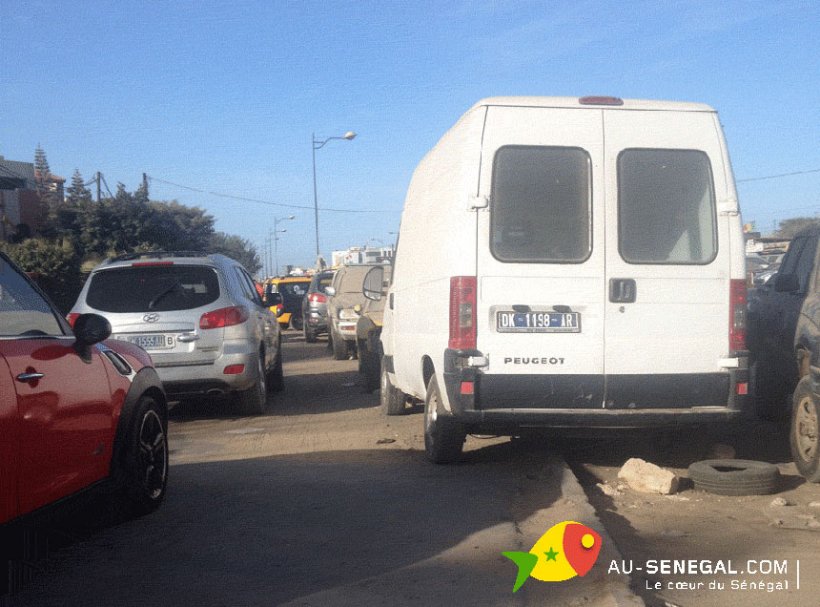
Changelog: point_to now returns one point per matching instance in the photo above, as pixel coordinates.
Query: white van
(568, 262)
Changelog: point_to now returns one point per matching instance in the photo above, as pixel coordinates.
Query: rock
(648, 478)
(814, 504)
(673, 533)
(608, 490)
(779, 502)
(814, 524)
(720, 451)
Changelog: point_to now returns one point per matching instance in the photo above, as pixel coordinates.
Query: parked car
(199, 316)
(75, 409)
(784, 340)
(568, 262)
(292, 290)
(344, 307)
(314, 305)
(369, 325)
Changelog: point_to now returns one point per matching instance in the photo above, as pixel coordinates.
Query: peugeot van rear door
(540, 261)
(668, 259)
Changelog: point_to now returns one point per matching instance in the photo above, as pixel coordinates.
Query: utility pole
(99, 187)
(145, 184)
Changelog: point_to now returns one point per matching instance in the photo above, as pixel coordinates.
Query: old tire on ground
(340, 349)
(803, 435)
(393, 400)
(735, 476)
(143, 477)
(276, 377)
(443, 436)
(254, 400)
(768, 392)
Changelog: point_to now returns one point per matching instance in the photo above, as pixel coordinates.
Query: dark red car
(75, 410)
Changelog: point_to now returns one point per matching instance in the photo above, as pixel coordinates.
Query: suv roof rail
(157, 254)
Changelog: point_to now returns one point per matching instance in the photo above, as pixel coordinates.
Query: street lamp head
(349, 135)
(291, 216)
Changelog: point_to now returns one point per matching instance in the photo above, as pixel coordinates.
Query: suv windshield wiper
(162, 294)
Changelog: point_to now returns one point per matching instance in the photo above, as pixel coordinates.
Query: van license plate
(152, 342)
(538, 322)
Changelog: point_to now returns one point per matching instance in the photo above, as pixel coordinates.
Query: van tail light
(462, 313)
(737, 318)
(72, 318)
(317, 298)
(224, 317)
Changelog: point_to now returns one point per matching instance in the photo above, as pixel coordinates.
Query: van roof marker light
(601, 101)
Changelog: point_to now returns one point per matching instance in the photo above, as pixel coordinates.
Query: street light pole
(318, 144)
(275, 238)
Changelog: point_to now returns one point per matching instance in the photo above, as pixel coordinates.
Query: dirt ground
(694, 524)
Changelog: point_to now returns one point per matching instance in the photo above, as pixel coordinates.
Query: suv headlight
(348, 314)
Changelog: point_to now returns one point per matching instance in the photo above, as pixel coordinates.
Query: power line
(778, 176)
(259, 201)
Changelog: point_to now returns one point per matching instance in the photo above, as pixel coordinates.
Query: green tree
(789, 227)
(77, 193)
(54, 265)
(236, 248)
(42, 178)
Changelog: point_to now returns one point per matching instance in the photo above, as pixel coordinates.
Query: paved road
(324, 501)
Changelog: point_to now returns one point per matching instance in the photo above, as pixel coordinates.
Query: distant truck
(784, 341)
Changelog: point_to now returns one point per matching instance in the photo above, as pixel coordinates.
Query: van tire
(393, 400)
(443, 436)
(310, 336)
(803, 435)
(735, 477)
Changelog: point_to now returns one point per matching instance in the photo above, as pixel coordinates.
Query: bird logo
(566, 550)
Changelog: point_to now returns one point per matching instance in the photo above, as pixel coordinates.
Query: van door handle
(622, 290)
(390, 300)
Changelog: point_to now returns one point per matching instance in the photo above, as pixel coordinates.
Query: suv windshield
(153, 288)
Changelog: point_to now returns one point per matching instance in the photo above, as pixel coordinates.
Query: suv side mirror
(90, 329)
(372, 286)
(786, 283)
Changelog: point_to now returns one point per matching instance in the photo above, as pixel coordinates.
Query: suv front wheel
(805, 442)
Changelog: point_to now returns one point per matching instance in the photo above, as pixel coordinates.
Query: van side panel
(437, 241)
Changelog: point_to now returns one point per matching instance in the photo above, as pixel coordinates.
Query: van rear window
(157, 289)
(666, 207)
(540, 205)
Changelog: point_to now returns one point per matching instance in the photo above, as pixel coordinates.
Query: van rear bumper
(557, 401)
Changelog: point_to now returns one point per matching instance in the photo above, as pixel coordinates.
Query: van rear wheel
(393, 400)
(443, 436)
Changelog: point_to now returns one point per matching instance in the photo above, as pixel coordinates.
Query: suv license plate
(538, 322)
(152, 342)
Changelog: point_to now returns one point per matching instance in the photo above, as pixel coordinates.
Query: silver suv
(200, 318)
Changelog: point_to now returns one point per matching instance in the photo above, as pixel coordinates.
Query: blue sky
(224, 97)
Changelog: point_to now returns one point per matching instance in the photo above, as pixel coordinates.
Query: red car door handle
(26, 377)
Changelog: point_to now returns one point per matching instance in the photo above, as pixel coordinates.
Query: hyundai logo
(152, 317)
